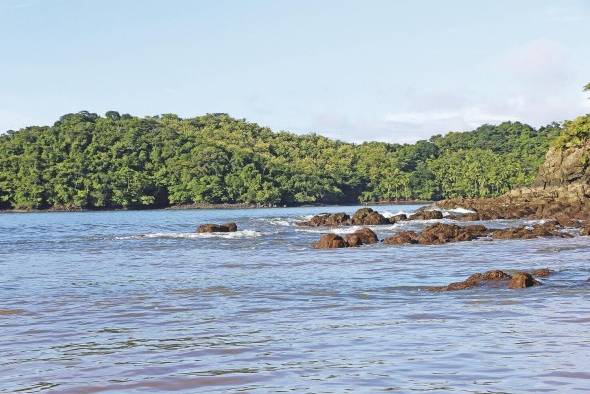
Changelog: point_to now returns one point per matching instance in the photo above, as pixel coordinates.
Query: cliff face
(561, 191)
(565, 166)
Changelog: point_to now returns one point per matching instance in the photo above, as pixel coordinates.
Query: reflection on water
(135, 301)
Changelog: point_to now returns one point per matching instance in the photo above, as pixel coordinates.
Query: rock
(363, 236)
(477, 279)
(468, 217)
(492, 279)
(337, 219)
(441, 233)
(398, 218)
(368, 217)
(427, 215)
(329, 241)
(404, 237)
(327, 220)
(548, 229)
(217, 228)
(521, 280)
(541, 272)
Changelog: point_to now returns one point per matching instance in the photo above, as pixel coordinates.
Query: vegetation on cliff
(121, 161)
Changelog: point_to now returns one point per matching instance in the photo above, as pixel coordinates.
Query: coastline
(218, 206)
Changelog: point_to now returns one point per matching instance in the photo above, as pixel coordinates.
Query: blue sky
(386, 70)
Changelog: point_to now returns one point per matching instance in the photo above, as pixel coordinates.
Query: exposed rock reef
(441, 233)
(362, 217)
(217, 228)
(496, 279)
(363, 236)
(366, 217)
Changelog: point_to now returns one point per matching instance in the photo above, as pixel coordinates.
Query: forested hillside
(121, 161)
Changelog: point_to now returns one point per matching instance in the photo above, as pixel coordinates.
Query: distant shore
(218, 206)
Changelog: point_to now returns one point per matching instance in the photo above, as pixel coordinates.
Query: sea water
(136, 301)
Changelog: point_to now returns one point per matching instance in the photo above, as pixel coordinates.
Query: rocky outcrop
(437, 234)
(565, 166)
(442, 233)
(363, 236)
(561, 192)
(330, 241)
(328, 220)
(217, 228)
(427, 215)
(404, 237)
(549, 229)
(362, 217)
(368, 217)
(492, 279)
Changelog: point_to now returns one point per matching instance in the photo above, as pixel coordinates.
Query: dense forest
(120, 161)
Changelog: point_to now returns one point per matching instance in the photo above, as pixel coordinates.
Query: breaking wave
(175, 235)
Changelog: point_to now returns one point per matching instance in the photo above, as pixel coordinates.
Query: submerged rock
(492, 279)
(217, 228)
(363, 236)
(541, 272)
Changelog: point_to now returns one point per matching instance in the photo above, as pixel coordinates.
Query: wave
(389, 214)
(175, 235)
(335, 230)
(279, 221)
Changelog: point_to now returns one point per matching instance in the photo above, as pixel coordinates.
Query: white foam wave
(388, 214)
(278, 221)
(460, 210)
(174, 235)
(335, 230)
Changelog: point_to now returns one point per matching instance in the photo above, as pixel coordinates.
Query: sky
(390, 70)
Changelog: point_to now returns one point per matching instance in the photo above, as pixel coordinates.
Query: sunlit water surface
(135, 301)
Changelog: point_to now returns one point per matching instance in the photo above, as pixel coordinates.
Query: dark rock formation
(217, 228)
(548, 229)
(541, 272)
(521, 280)
(492, 279)
(328, 220)
(404, 237)
(363, 236)
(439, 233)
(398, 218)
(427, 215)
(368, 217)
(329, 241)
(467, 217)
(362, 217)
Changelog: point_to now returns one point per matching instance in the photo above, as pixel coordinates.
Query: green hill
(121, 161)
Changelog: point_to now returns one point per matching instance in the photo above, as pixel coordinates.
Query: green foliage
(120, 161)
(575, 133)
